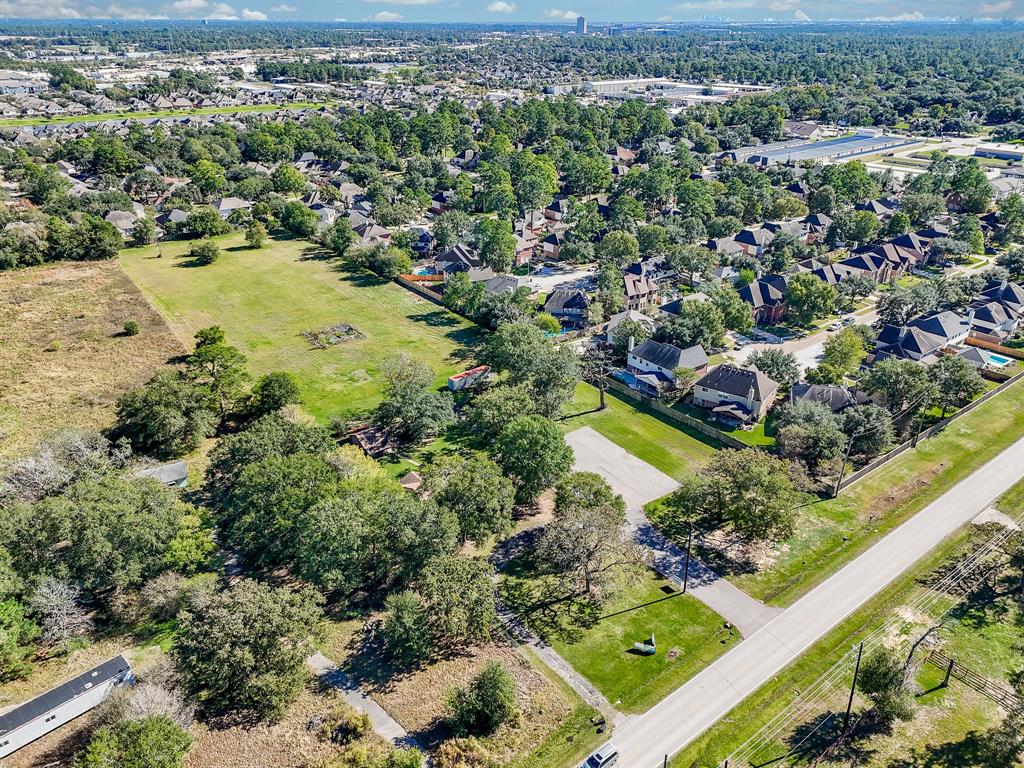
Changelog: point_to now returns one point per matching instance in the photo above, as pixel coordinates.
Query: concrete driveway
(638, 483)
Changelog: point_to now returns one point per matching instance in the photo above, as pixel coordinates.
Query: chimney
(632, 343)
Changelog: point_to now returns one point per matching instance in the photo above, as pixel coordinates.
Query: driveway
(550, 278)
(695, 706)
(638, 483)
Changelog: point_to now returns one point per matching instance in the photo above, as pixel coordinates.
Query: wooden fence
(1000, 694)
(422, 290)
(926, 433)
(677, 416)
(993, 344)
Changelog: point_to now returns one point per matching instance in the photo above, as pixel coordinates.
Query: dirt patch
(64, 359)
(292, 743)
(332, 335)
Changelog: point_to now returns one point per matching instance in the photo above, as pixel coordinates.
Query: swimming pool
(999, 360)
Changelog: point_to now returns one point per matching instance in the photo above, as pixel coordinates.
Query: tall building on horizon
(581, 25)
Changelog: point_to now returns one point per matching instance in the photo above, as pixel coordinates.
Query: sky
(560, 11)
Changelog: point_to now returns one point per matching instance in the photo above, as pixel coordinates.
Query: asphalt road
(692, 708)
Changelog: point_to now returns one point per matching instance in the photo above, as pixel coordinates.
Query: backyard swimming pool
(999, 360)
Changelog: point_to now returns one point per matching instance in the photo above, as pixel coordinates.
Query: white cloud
(801, 16)
(284, 8)
(665, 18)
(908, 16)
(1002, 7)
(403, 2)
(71, 9)
(500, 6)
(558, 13)
(784, 5)
(386, 16)
(253, 15)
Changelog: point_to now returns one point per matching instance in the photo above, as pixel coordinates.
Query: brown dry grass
(62, 360)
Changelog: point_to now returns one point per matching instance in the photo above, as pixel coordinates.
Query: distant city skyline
(597, 12)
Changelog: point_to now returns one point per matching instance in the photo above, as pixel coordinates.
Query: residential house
(767, 298)
(835, 398)
(570, 305)
(814, 227)
(557, 210)
(622, 155)
(923, 339)
(45, 713)
(654, 365)
(228, 205)
(753, 242)
(174, 473)
(630, 314)
(741, 395)
(640, 292)
(458, 258)
(551, 245)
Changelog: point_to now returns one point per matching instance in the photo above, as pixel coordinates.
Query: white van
(605, 757)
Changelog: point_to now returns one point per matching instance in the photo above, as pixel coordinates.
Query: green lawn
(659, 441)
(684, 628)
(944, 717)
(832, 532)
(265, 300)
(762, 434)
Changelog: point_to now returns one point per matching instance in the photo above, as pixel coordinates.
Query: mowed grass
(689, 636)
(265, 299)
(832, 532)
(665, 444)
(940, 734)
(64, 359)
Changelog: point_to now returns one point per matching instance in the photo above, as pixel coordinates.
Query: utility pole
(853, 687)
(686, 567)
(842, 467)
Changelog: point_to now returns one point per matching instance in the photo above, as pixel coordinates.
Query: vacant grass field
(939, 735)
(663, 443)
(831, 532)
(266, 299)
(158, 113)
(63, 359)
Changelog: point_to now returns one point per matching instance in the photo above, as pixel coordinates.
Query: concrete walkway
(385, 725)
(696, 705)
(639, 483)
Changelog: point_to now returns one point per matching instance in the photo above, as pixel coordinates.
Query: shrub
(204, 252)
(488, 702)
(131, 328)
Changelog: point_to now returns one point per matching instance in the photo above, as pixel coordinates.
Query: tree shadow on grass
(975, 750)
(437, 318)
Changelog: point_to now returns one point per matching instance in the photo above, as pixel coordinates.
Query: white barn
(45, 713)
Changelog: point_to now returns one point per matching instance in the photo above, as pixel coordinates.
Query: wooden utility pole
(686, 567)
(853, 688)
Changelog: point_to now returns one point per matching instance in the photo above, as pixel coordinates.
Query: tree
(869, 429)
(451, 228)
(17, 636)
(488, 702)
(844, 351)
(255, 235)
(809, 298)
(299, 220)
(144, 231)
(809, 431)
(56, 605)
(618, 248)
(690, 260)
(777, 365)
(1012, 261)
(208, 176)
(151, 742)
(339, 237)
(497, 244)
(903, 384)
(405, 629)
(610, 289)
(168, 416)
(533, 451)
(884, 680)
(698, 322)
(459, 594)
(862, 226)
(217, 367)
(956, 382)
(736, 313)
(272, 392)
(896, 307)
(474, 490)
(204, 252)
(287, 180)
(96, 239)
(496, 407)
(922, 207)
(625, 331)
(750, 490)
(205, 222)
(245, 648)
(586, 543)
(547, 323)
(412, 411)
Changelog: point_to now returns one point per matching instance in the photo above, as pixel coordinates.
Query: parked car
(835, 326)
(849, 320)
(605, 757)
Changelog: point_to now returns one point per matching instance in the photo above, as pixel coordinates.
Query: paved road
(694, 707)
(808, 349)
(638, 483)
